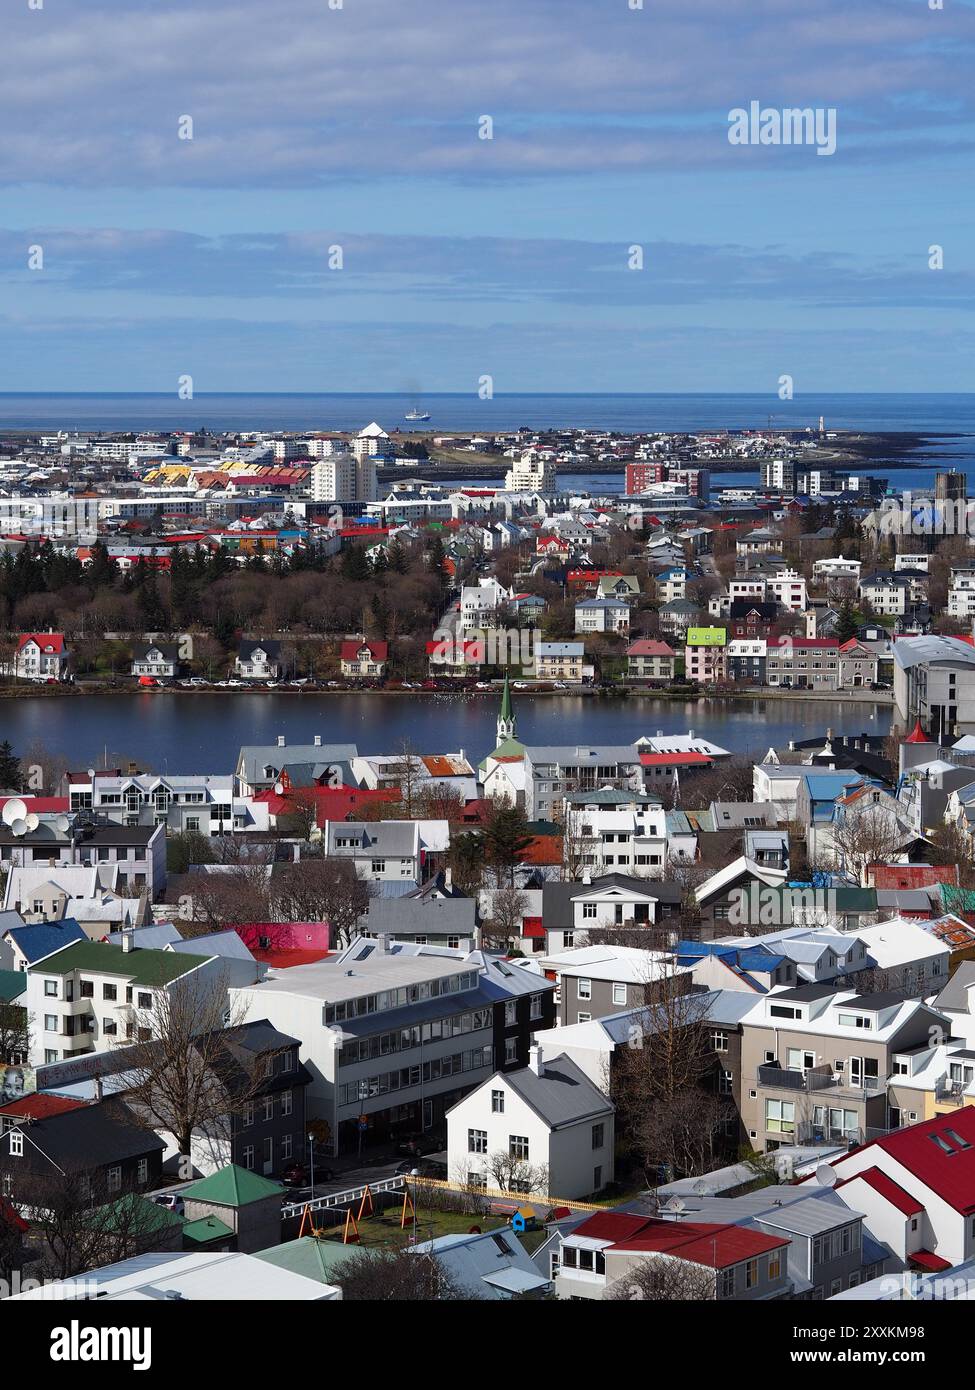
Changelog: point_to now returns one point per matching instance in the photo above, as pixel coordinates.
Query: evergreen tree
(847, 626)
(11, 778)
(506, 837)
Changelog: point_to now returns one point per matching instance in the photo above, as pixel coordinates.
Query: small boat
(415, 415)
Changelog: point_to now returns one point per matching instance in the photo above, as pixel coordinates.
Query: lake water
(203, 733)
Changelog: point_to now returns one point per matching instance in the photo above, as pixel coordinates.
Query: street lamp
(311, 1152)
(414, 1174)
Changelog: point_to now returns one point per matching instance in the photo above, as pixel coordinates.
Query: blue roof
(759, 959)
(41, 939)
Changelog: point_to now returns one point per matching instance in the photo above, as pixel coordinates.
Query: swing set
(350, 1231)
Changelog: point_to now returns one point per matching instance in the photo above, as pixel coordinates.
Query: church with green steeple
(509, 749)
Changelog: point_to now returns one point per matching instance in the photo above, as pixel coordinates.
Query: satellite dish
(62, 825)
(825, 1175)
(33, 821)
(701, 1188)
(20, 827)
(14, 809)
(675, 1204)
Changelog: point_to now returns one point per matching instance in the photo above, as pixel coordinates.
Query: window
(774, 1265)
(477, 1141)
(517, 1146)
(780, 1116)
(114, 1178)
(267, 1106)
(287, 1102)
(598, 1136)
(583, 1018)
(50, 989)
(727, 1287)
(145, 1001)
(379, 866)
(510, 1050)
(497, 1102)
(589, 911)
(619, 994)
(719, 1041)
(536, 1006)
(142, 1171)
(248, 1116)
(109, 991)
(597, 1177)
(584, 989)
(285, 1147)
(510, 1014)
(249, 1156)
(751, 1273)
(50, 1023)
(16, 1144)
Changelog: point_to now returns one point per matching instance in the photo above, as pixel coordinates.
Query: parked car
(298, 1175)
(425, 1168)
(416, 1145)
(172, 1201)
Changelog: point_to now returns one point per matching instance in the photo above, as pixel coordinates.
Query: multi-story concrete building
(394, 1034)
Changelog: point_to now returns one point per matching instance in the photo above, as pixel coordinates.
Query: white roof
(203, 1275)
(773, 878)
(622, 964)
(373, 431)
(899, 941)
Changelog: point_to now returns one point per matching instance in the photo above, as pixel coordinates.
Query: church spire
(506, 719)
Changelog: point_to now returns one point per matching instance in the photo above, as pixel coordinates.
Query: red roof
(47, 641)
(377, 650)
(675, 759)
(926, 1260)
(913, 875)
(40, 1106)
(917, 735)
(648, 647)
(706, 1243)
(886, 1186)
(544, 849)
(948, 1173)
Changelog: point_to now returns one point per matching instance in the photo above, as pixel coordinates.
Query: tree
(950, 845)
(510, 1174)
(15, 1030)
(177, 1073)
(664, 1086)
(320, 889)
(11, 778)
(508, 908)
(506, 838)
(872, 835)
(846, 625)
(403, 1276)
(663, 1279)
(465, 859)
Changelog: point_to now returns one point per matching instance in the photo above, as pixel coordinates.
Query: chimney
(280, 740)
(535, 1062)
(587, 877)
(448, 878)
(127, 939)
(318, 740)
(690, 733)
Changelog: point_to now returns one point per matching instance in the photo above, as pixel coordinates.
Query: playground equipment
(350, 1230)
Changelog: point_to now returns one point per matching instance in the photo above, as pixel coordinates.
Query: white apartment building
(615, 841)
(961, 593)
(90, 996)
(534, 472)
(789, 589)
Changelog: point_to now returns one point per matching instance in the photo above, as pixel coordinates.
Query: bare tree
(15, 1029)
(320, 889)
(864, 837)
(401, 1276)
(663, 1279)
(510, 1174)
(180, 1077)
(508, 908)
(664, 1087)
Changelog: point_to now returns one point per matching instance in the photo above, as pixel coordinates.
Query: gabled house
(258, 659)
(156, 660)
(364, 658)
(101, 1146)
(548, 1116)
(41, 656)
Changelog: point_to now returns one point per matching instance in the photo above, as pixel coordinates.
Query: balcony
(818, 1080)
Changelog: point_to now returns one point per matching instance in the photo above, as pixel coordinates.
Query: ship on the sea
(415, 415)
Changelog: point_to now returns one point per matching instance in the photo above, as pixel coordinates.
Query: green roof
(206, 1229)
(12, 983)
(508, 748)
(315, 1259)
(136, 1215)
(142, 965)
(232, 1186)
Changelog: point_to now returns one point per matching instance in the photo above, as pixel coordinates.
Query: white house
(41, 656)
(549, 1115)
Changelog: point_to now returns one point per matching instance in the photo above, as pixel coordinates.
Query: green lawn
(385, 1229)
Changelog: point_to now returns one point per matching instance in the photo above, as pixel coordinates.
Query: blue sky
(358, 127)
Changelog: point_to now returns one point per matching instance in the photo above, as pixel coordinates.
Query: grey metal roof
(435, 915)
(561, 1094)
(253, 758)
(954, 996)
